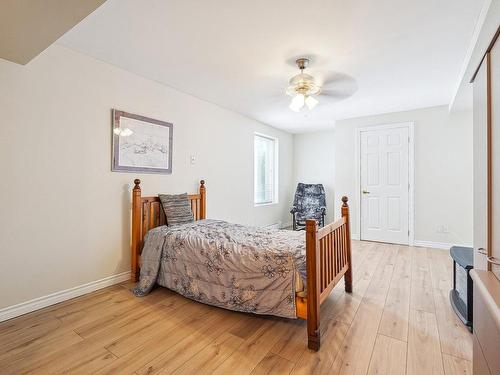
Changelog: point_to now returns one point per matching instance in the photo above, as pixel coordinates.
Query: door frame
(411, 173)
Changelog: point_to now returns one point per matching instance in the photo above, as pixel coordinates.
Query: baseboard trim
(10, 312)
(437, 245)
(419, 243)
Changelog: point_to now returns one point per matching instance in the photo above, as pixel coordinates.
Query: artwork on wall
(141, 144)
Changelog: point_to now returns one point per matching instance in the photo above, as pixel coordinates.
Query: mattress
(243, 268)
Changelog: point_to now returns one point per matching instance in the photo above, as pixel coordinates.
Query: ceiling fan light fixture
(303, 83)
(302, 87)
(311, 102)
(297, 103)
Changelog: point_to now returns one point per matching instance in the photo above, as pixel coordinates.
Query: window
(265, 169)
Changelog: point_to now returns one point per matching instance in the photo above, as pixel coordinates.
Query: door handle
(482, 251)
(366, 192)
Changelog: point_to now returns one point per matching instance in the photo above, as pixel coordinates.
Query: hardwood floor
(398, 320)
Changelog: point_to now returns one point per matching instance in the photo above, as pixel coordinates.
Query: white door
(384, 184)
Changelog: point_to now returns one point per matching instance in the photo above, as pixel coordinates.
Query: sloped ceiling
(27, 27)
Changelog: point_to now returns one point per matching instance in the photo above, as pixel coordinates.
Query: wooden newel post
(203, 200)
(313, 287)
(136, 232)
(348, 274)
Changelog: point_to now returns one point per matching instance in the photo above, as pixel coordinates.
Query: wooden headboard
(147, 213)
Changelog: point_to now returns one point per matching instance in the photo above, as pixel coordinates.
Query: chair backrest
(309, 196)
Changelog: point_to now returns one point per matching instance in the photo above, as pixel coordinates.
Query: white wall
(314, 163)
(65, 217)
(443, 170)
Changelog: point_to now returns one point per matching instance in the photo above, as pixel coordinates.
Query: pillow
(177, 208)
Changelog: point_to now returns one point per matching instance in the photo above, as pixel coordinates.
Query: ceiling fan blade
(336, 95)
(338, 80)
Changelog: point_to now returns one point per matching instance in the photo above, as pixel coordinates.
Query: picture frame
(141, 144)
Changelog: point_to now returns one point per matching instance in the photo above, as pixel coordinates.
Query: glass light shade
(297, 103)
(303, 83)
(311, 102)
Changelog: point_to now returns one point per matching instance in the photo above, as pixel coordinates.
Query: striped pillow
(177, 208)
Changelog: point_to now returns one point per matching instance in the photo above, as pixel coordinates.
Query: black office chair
(309, 203)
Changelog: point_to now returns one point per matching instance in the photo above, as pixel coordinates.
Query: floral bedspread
(250, 269)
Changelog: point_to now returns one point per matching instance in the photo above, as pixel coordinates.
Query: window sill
(264, 204)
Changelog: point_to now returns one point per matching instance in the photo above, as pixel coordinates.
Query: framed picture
(141, 144)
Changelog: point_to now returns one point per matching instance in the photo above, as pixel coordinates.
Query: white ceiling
(398, 55)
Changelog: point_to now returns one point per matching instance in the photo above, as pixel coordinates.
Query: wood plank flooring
(398, 320)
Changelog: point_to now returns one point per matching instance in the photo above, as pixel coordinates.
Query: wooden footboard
(328, 257)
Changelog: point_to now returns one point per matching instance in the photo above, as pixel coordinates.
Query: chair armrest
(293, 210)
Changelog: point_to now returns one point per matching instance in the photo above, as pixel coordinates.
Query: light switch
(193, 159)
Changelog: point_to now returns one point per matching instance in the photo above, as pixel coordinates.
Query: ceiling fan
(302, 88)
(305, 89)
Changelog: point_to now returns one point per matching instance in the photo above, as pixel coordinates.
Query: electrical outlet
(193, 159)
(442, 229)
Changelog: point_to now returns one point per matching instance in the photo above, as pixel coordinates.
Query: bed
(277, 272)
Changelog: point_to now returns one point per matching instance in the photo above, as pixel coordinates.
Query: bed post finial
(137, 182)
(345, 200)
(136, 230)
(203, 200)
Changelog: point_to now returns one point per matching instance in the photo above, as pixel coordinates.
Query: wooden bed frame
(328, 253)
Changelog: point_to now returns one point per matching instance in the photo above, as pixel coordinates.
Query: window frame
(275, 199)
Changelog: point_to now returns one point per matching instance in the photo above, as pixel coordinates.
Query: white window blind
(265, 169)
